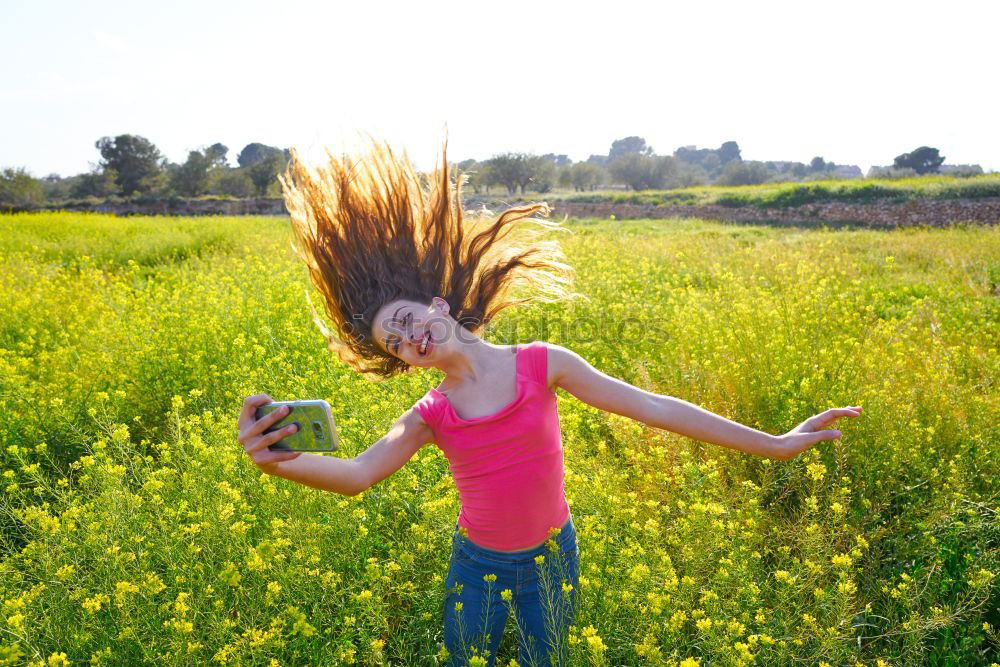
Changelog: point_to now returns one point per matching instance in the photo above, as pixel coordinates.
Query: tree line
(132, 166)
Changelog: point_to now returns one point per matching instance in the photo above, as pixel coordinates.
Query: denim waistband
(565, 538)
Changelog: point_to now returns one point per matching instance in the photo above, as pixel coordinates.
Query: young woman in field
(409, 282)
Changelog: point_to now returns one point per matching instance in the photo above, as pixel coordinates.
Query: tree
(96, 183)
(265, 172)
(689, 175)
(216, 154)
(512, 170)
(923, 160)
(728, 151)
(709, 159)
(191, 178)
(136, 161)
(477, 175)
(817, 164)
(561, 160)
(643, 172)
(585, 176)
(255, 153)
(740, 172)
(232, 182)
(542, 171)
(620, 147)
(565, 178)
(19, 189)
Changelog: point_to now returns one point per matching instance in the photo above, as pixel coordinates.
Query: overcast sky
(854, 82)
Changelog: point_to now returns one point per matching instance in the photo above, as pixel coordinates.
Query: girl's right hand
(254, 441)
(812, 431)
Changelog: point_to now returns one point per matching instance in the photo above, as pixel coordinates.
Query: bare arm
(347, 477)
(327, 473)
(572, 372)
(351, 477)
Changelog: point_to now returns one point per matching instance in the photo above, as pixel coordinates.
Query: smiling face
(403, 327)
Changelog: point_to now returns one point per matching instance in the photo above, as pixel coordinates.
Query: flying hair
(371, 230)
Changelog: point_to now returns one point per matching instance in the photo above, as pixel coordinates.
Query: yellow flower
(816, 470)
(506, 594)
(489, 577)
(93, 604)
(689, 662)
(58, 659)
(841, 560)
(539, 559)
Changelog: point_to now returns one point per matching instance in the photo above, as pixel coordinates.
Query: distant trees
(923, 160)
(585, 176)
(19, 189)
(96, 183)
(627, 146)
(728, 151)
(710, 160)
(216, 154)
(741, 172)
(192, 178)
(233, 182)
(255, 153)
(132, 165)
(137, 163)
(641, 171)
(516, 170)
(264, 173)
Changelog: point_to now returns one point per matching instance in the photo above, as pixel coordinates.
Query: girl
(409, 282)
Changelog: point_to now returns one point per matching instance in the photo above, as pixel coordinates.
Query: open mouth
(426, 345)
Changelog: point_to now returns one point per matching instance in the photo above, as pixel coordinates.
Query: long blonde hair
(373, 230)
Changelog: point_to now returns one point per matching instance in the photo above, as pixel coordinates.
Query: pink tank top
(508, 466)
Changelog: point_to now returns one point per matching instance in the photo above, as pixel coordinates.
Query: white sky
(854, 82)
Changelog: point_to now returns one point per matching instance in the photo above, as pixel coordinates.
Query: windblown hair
(373, 230)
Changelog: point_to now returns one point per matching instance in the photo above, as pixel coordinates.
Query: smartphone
(316, 430)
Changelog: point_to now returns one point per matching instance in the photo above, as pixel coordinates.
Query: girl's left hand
(811, 431)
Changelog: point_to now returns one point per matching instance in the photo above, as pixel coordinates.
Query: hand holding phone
(261, 426)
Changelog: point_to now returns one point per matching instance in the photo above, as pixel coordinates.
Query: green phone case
(316, 430)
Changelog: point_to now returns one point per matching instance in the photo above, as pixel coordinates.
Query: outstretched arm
(570, 371)
(348, 477)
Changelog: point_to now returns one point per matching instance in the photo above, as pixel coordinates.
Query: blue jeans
(544, 606)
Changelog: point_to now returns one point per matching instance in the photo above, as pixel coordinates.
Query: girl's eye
(396, 345)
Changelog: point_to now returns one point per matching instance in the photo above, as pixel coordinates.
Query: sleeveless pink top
(508, 466)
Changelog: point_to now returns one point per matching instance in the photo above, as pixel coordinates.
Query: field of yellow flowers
(134, 528)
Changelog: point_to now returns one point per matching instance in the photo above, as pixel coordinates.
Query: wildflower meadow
(134, 528)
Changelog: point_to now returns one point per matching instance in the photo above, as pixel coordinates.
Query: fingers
(262, 441)
(266, 422)
(827, 417)
(250, 405)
